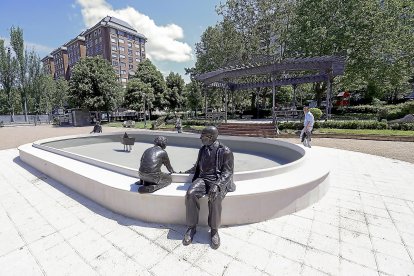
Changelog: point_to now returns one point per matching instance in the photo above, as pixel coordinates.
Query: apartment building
(112, 39)
(119, 43)
(60, 58)
(76, 50)
(48, 65)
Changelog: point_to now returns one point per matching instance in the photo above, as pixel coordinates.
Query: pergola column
(294, 95)
(328, 96)
(205, 101)
(273, 100)
(225, 105)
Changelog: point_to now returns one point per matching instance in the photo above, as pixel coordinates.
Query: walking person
(305, 135)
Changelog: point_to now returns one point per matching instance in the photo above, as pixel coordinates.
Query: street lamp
(145, 111)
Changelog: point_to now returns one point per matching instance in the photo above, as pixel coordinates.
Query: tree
(375, 36)
(138, 93)
(94, 85)
(60, 97)
(8, 75)
(174, 92)
(194, 98)
(22, 57)
(149, 74)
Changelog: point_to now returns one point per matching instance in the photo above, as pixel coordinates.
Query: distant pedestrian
(97, 128)
(178, 125)
(305, 135)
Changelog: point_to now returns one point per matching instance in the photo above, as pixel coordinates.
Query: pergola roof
(326, 66)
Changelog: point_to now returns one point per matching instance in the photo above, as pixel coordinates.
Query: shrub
(317, 113)
(367, 124)
(290, 125)
(362, 109)
(402, 126)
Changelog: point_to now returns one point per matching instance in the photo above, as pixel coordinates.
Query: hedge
(402, 126)
(360, 124)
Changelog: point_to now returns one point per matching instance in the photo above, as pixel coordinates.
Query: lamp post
(145, 111)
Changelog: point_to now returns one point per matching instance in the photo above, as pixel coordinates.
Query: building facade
(112, 39)
(60, 58)
(48, 65)
(76, 50)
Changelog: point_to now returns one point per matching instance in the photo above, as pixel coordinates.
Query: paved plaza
(363, 226)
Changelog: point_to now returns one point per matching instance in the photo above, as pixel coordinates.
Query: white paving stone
(363, 226)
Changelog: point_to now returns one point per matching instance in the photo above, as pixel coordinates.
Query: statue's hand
(213, 193)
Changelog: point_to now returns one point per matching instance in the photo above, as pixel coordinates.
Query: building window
(121, 49)
(113, 48)
(129, 52)
(129, 44)
(115, 63)
(130, 59)
(123, 64)
(123, 72)
(121, 40)
(131, 66)
(99, 31)
(121, 56)
(114, 55)
(137, 59)
(113, 40)
(123, 80)
(137, 53)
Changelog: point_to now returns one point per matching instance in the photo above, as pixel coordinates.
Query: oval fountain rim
(238, 176)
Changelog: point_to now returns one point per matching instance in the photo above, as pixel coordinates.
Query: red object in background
(342, 99)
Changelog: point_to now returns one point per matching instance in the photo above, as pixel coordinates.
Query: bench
(128, 123)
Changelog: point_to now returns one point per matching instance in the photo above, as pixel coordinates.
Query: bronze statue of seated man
(151, 177)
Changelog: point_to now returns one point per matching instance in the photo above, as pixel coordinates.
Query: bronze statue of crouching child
(151, 177)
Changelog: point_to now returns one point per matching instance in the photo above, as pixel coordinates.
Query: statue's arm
(167, 163)
(227, 169)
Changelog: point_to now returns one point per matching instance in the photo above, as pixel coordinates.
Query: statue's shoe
(147, 189)
(189, 235)
(215, 239)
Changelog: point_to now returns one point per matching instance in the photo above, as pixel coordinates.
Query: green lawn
(387, 132)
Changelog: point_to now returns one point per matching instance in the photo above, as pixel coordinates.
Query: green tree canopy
(173, 94)
(136, 91)
(94, 85)
(193, 96)
(8, 75)
(149, 74)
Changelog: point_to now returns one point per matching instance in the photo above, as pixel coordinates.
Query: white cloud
(163, 41)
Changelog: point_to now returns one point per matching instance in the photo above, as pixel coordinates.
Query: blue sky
(172, 27)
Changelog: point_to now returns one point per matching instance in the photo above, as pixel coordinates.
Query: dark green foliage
(174, 94)
(136, 90)
(353, 124)
(149, 74)
(392, 112)
(362, 109)
(94, 85)
(402, 126)
(317, 113)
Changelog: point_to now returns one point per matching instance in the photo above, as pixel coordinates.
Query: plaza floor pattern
(363, 226)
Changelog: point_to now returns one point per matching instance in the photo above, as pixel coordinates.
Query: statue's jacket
(224, 168)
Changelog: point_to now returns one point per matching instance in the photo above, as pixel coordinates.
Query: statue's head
(209, 135)
(160, 141)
